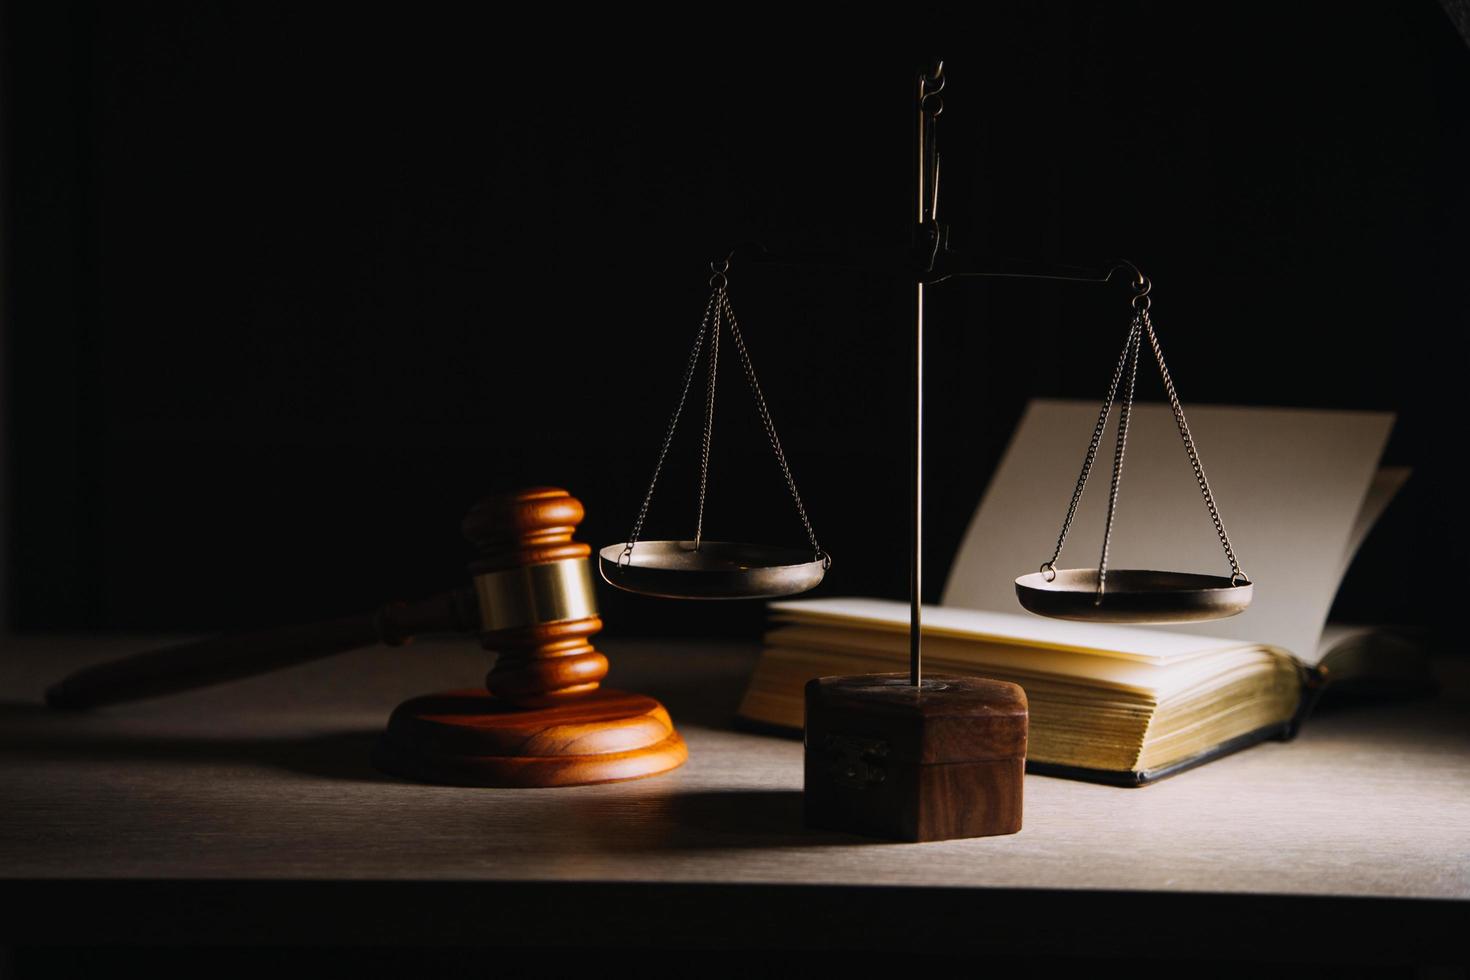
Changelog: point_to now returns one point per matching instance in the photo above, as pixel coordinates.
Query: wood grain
(471, 738)
(934, 762)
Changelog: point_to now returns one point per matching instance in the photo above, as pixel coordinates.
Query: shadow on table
(35, 732)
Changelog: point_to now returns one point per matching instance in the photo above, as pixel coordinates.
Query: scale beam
(918, 264)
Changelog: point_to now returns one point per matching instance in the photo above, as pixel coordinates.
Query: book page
(1289, 483)
(1387, 482)
(943, 655)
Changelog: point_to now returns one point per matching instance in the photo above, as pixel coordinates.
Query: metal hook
(935, 78)
(1139, 279)
(1141, 283)
(1141, 302)
(930, 86)
(719, 278)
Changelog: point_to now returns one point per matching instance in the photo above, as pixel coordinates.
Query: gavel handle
(230, 657)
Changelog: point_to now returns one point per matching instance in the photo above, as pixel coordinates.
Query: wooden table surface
(250, 811)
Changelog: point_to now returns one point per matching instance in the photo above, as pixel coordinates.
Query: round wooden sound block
(470, 738)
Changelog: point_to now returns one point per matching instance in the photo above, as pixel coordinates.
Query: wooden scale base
(548, 723)
(472, 738)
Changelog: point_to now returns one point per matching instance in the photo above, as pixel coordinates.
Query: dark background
(288, 289)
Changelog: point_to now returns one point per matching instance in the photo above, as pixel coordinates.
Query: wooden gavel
(541, 718)
(532, 601)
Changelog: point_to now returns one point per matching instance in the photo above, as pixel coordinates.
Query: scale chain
(709, 310)
(1048, 567)
(1199, 472)
(770, 427)
(709, 422)
(1125, 412)
(717, 312)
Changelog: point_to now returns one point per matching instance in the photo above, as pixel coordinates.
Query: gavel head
(537, 603)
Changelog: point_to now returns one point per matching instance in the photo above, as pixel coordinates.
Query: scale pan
(1132, 596)
(718, 570)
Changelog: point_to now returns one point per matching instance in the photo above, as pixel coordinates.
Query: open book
(1298, 490)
